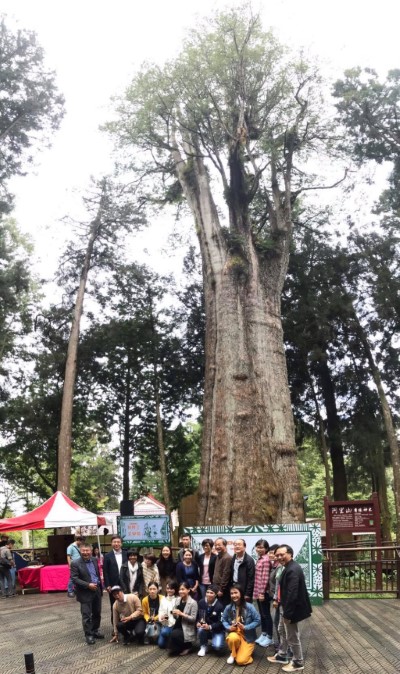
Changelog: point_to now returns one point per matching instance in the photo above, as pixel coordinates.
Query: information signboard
(305, 539)
(145, 530)
(357, 517)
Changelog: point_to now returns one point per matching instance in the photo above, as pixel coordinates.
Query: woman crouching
(184, 631)
(240, 619)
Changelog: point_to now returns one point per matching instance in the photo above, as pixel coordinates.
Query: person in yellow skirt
(240, 619)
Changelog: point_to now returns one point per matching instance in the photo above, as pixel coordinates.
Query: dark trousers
(91, 614)
(177, 642)
(135, 628)
(264, 608)
(5, 575)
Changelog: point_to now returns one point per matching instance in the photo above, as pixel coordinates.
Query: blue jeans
(217, 638)
(265, 615)
(202, 590)
(164, 636)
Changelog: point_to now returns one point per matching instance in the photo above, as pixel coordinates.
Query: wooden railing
(361, 570)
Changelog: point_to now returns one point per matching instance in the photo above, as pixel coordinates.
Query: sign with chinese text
(146, 530)
(357, 517)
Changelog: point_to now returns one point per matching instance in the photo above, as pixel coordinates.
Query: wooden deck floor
(342, 637)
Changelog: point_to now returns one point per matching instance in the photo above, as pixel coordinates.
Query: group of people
(211, 596)
(7, 567)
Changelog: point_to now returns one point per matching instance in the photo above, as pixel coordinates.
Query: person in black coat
(85, 575)
(131, 575)
(294, 606)
(112, 566)
(243, 569)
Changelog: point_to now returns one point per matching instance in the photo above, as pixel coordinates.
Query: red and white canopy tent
(58, 511)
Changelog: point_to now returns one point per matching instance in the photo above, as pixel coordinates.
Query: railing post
(326, 576)
(29, 663)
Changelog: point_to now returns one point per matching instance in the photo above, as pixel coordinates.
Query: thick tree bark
(65, 436)
(249, 466)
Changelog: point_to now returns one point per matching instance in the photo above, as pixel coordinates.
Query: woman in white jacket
(165, 615)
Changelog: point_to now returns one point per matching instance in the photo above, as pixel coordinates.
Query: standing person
(6, 564)
(73, 552)
(188, 571)
(243, 569)
(85, 576)
(3, 540)
(127, 616)
(222, 570)
(183, 632)
(241, 620)
(113, 561)
(166, 567)
(274, 575)
(96, 553)
(131, 574)
(151, 609)
(209, 625)
(261, 594)
(294, 606)
(206, 566)
(150, 571)
(187, 545)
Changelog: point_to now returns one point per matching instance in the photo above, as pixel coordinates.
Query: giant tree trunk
(249, 471)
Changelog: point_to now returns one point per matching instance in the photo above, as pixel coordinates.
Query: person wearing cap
(209, 625)
(127, 616)
(131, 575)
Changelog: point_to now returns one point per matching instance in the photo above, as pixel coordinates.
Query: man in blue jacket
(294, 606)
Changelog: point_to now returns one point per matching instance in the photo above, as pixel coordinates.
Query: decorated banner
(146, 530)
(305, 539)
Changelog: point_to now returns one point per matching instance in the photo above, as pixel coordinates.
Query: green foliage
(30, 105)
(312, 477)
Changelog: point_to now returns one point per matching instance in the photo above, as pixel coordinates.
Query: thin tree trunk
(127, 434)
(65, 435)
(334, 431)
(387, 419)
(161, 450)
(324, 447)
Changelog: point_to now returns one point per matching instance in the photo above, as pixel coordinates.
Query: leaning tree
(227, 128)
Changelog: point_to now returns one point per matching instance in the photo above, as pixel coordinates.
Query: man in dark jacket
(294, 606)
(86, 578)
(222, 571)
(112, 566)
(243, 569)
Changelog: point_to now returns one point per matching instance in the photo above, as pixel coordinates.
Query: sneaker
(202, 652)
(260, 639)
(264, 641)
(231, 660)
(71, 595)
(278, 659)
(293, 667)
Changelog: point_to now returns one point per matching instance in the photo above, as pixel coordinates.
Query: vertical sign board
(144, 530)
(305, 539)
(354, 517)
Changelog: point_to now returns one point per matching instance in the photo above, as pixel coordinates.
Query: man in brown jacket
(222, 571)
(127, 616)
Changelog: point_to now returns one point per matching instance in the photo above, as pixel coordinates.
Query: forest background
(141, 356)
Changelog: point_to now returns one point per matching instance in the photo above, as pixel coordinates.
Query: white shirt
(118, 559)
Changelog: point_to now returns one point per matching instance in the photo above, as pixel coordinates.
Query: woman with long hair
(150, 571)
(166, 567)
(240, 619)
(183, 633)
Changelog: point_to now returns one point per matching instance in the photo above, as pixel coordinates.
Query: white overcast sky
(95, 47)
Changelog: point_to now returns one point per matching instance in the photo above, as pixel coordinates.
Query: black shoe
(125, 642)
(71, 595)
(98, 635)
(90, 640)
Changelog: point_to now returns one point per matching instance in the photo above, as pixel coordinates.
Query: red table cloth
(29, 576)
(54, 578)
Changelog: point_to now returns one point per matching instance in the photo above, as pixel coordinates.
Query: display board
(356, 517)
(305, 539)
(145, 530)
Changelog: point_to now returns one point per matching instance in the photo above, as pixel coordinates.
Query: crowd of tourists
(210, 599)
